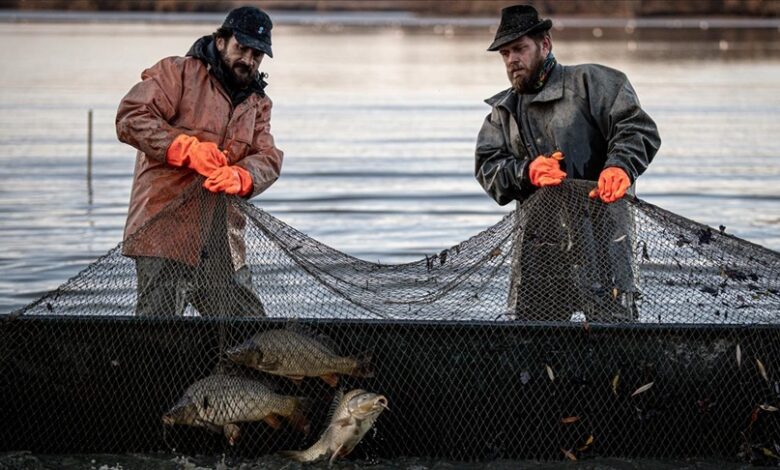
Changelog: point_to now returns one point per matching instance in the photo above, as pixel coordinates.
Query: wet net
(570, 329)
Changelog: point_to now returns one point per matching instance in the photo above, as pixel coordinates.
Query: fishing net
(569, 329)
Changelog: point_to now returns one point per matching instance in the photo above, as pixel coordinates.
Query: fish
(354, 415)
(294, 355)
(219, 401)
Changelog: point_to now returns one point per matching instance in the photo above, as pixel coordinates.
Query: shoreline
(389, 19)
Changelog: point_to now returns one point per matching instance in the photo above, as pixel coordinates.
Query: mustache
(242, 68)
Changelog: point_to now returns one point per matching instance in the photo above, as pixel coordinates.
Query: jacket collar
(553, 90)
(205, 49)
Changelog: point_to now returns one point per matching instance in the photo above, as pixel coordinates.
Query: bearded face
(242, 62)
(523, 59)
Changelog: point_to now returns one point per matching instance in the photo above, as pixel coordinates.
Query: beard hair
(242, 81)
(528, 82)
(238, 80)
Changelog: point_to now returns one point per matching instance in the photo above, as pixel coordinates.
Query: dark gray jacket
(590, 112)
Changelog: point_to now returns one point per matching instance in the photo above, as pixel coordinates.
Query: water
(378, 126)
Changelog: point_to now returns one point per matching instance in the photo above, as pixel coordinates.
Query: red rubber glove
(189, 152)
(545, 171)
(613, 183)
(230, 180)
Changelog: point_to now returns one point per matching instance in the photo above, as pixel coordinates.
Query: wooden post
(89, 156)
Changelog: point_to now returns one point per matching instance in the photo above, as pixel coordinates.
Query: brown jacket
(179, 95)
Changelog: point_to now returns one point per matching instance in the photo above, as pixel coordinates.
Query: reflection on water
(378, 126)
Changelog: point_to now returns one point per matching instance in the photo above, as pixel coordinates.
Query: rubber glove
(230, 180)
(189, 152)
(613, 183)
(545, 171)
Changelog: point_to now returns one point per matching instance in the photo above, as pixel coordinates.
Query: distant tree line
(620, 8)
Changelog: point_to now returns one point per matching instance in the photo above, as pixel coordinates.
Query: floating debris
(569, 454)
(587, 443)
(642, 389)
(570, 419)
(615, 382)
(762, 369)
(550, 373)
(739, 356)
(769, 453)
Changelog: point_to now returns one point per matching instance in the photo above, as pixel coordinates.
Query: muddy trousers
(165, 287)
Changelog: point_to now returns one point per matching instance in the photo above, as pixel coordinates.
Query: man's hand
(545, 171)
(613, 183)
(230, 180)
(203, 157)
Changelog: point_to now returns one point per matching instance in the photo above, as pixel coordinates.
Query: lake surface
(378, 125)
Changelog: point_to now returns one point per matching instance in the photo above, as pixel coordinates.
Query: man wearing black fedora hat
(556, 122)
(204, 117)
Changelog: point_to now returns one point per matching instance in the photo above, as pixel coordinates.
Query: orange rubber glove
(545, 171)
(230, 180)
(613, 183)
(188, 151)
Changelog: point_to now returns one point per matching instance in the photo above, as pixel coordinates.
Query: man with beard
(200, 119)
(556, 122)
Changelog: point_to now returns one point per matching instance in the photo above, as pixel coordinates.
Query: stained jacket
(590, 112)
(179, 95)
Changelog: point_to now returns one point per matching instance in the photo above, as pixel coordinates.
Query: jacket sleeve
(632, 136)
(502, 175)
(143, 117)
(264, 160)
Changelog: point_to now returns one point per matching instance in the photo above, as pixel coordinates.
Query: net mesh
(569, 329)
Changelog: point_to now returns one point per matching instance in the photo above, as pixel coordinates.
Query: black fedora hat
(251, 27)
(516, 22)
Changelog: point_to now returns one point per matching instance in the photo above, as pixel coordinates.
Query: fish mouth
(381, 402)
(369, 404)
(168, 420)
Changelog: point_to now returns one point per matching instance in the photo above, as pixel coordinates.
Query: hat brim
(248, 41)
(515, 35)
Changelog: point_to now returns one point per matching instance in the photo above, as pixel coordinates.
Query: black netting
(571, 327)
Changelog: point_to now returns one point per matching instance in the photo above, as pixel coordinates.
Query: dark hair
(539, 36)
(224, 33)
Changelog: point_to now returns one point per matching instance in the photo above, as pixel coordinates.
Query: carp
(295, 356)
(218, 402)
(355, 413)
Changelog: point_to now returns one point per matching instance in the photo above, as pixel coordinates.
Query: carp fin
(273, 421)
(231, 432)
(343, 422)
(330, 379)
(323, 341)
(334, 404)
(363, 366)
(298, 379)
(335, 455)
(297, 418)
(268, 364)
